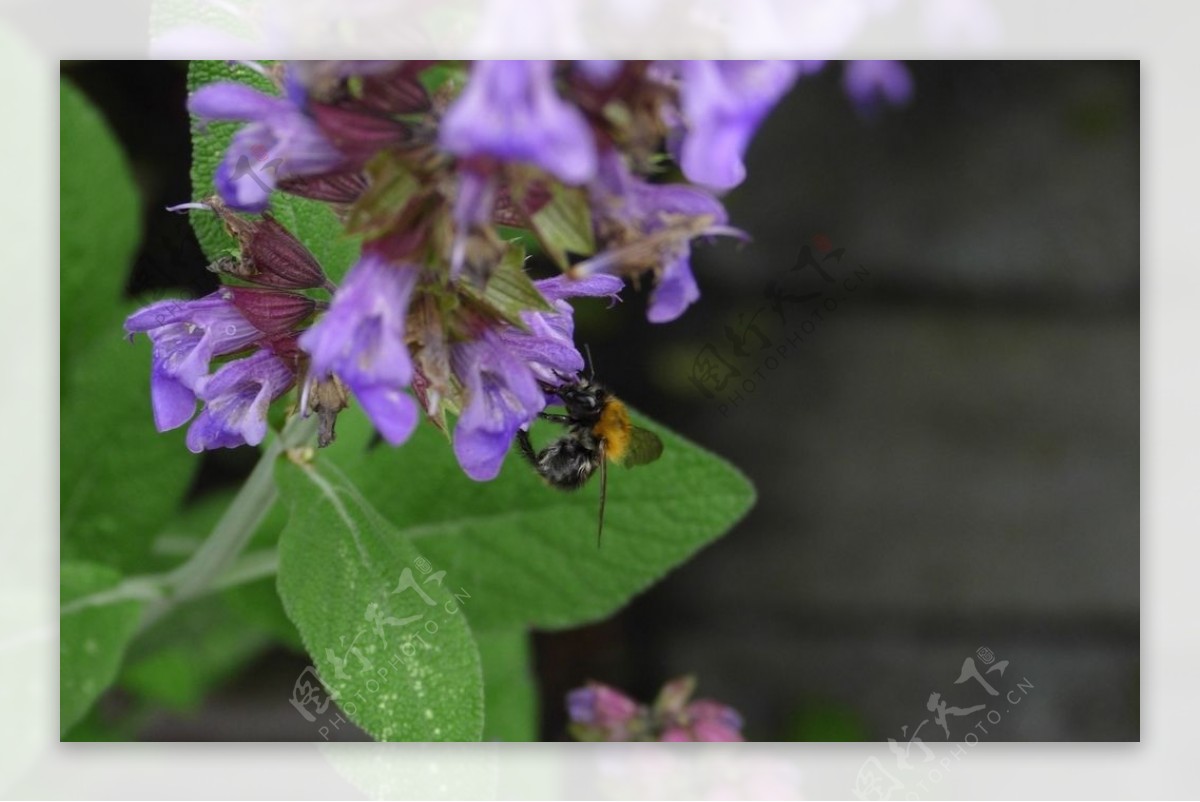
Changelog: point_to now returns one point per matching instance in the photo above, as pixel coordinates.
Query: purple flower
(655, 219)
(472, 209)
(186, 336)
(501, 369)
(305, 76)
(701, 720)
(511, 111)
(548, 348)
(502, 396)
(599, 72)
(723, 103)
(601, 713)
(606, 713)
(280, 142)
(868, 83)
(236, 400)
(712, 721)
(361, 339)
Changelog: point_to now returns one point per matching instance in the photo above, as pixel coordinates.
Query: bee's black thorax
(568, 462)
(584, 401)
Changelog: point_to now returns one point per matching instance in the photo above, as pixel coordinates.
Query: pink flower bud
(270, 311)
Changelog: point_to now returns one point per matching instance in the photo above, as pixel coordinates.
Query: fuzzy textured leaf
(385, 627)
(92, 637)
(179, 660)
(120, 480)
(99, 225)
(509, 694)
(527, 552)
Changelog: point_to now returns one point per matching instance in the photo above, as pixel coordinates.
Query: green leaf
(509, 694)
(564, 224)
(385, 628)
(178, 661)
(520, 236)
(95, 727)
(446, 78)
(254, 604)
(509, 290)
(393, 189)
(257, 605)
(179, 537)
(120, 479)
(185, 655)
(94, 628)
(315, 224)
(99, 223)
(527, 552)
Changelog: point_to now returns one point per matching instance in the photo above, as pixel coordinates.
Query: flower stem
(231, 534)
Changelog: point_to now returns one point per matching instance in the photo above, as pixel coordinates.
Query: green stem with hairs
(213, 562)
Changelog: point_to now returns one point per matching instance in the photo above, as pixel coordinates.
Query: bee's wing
(644, 447)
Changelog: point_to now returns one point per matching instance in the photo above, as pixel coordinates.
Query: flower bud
(270, 255)
(340, 188)
(278, 259)
(327, 397)
(713, 721)
(601, 713)
(358, 134)
(270, 311)
(398, 91)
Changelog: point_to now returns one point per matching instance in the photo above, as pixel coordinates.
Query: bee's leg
(526, 447)
(554, 417)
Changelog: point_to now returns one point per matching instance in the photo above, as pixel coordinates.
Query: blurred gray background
(948, 462)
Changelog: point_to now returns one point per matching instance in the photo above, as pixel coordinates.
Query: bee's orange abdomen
(613, 429)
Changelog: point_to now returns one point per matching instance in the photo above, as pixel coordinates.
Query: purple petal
(510, 110)
(472, 207)
(660, 200)
(595, 286)
(581, 705)
(238, 179)
(481, 452)
(723, 103)
(361, 339)
(237, 398)
(280, 142)
(712, 155)
(229, 100)
(635, 203)
(187, 335)
(502, 396)
(715, 732)
(173, 403)
(600, 72)
(870, 82)
(675, 734)
(394, 412)
(675, 292)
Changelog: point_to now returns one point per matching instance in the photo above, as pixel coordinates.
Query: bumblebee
(598, 431)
